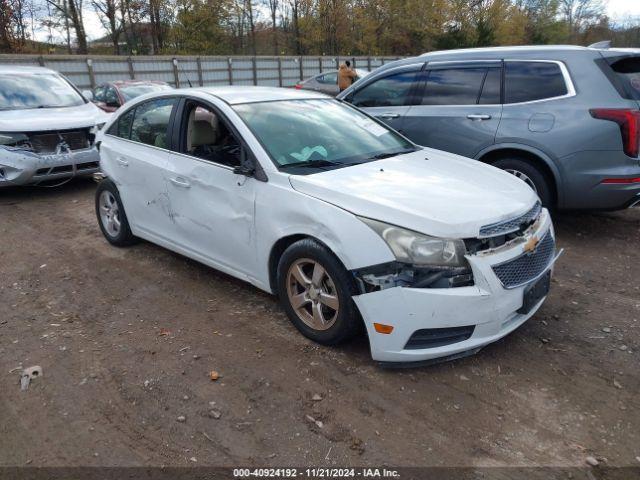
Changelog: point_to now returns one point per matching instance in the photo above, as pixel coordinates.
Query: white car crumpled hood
(428, 191)
(43, 119)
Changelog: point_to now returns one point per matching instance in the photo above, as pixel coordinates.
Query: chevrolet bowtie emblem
(531, 244)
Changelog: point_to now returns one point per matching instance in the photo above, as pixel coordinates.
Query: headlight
(13, 139)
(419, 249)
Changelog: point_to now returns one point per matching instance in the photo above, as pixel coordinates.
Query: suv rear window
(528, 81)
(628, 71)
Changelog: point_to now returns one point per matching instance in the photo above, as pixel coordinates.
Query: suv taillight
(629, 122)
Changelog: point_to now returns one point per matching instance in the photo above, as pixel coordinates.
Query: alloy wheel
(312, 294)
(109, 213)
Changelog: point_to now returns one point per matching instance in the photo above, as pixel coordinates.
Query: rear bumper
(583, 173)
(489, 308)
(21, 167)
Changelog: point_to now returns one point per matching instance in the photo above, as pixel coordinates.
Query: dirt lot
(127, 338)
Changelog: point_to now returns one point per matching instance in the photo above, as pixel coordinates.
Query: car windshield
(133, 91)
(319, 134)
(36, 90)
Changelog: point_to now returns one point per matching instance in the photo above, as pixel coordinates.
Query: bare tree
(71, 11)
(108, 13)
(580, 13)
(273, 12)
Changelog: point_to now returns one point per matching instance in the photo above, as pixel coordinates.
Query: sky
(618, 11)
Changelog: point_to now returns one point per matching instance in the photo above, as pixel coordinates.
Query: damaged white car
(346, 220)
(47, 128)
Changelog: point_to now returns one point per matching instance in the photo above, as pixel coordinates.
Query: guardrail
(87, 71)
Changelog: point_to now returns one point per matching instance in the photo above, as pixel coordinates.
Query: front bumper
(487, 306)
(22, 167)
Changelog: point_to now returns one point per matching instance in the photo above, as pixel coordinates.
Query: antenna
(177, 65)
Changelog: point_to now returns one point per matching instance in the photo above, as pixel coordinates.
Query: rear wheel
(111, 216)
(530, 174)
(315, 290)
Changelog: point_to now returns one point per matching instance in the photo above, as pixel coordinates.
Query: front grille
(527, 266)
(513, 225)
(438, 337)
(48, 142)
(55, 170)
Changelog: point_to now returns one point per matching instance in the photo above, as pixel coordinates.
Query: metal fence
(89, 71)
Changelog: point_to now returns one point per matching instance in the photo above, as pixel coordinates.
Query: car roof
(234, 95)
(124, 83)
(472, 52)
(17, 69)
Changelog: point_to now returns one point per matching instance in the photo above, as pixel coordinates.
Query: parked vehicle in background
(564, 119)
(111, 96)
(309, 198)
(327, 82)
(47, 128)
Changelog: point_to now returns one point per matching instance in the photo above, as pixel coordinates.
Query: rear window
(628, 71)
(529, 81)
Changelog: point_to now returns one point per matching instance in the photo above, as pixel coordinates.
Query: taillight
(298, 86)
(629, 122)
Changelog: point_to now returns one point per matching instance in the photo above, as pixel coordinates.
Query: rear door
(135, 156)
(458, 107)
(389, 97)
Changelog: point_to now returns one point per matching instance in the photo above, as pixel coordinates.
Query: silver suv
(564, 119)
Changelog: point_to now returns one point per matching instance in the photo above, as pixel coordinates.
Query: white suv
(345, 219)
(47, 128)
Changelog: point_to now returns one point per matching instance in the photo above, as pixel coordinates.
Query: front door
(388, 98)
(213, 207)
(458, 108)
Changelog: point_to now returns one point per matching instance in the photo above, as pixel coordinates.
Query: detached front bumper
(470, 317)
(23, 167)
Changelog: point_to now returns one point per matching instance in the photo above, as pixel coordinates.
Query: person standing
(346, 75)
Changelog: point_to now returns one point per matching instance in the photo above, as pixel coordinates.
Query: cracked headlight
(420, 249)
(13, 139)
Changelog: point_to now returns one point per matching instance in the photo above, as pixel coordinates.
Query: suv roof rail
(605, 44)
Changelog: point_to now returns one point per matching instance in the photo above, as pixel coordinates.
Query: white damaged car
(346, 220)
(47, 128)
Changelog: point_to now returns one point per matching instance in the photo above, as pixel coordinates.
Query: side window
(391, 91)
(527, 81)
(491, 88)
(98, 94)
(122, 127)
(208, 137)
(453, 86)
(151, 122)
(330, 78)
(111, 97)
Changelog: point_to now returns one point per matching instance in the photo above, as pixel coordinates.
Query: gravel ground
(127, 339)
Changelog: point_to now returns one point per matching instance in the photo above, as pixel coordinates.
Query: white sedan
(347, 221)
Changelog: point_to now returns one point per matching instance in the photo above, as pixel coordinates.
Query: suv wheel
(530, 174)
(111, 217)
(315, 290)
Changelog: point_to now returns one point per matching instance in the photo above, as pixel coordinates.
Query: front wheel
(315, 290)
(111, 216)
(529, 174)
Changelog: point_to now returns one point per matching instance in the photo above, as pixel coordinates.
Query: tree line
(304, 27)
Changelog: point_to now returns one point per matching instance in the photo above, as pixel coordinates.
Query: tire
(530, 174)
(326, 313)
(111, 215)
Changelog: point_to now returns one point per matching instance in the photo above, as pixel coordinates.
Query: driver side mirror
(246, 166)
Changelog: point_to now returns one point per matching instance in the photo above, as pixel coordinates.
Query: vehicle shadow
(19, 194)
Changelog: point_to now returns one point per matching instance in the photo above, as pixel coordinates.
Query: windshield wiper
(380, 156)
(314, 164)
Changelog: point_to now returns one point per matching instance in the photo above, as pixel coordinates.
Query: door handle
(389, 115)
(122, 161)
(474, 116)
(180, 182)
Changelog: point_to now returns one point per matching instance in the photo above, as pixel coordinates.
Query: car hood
(42, 119)
(428, 191)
